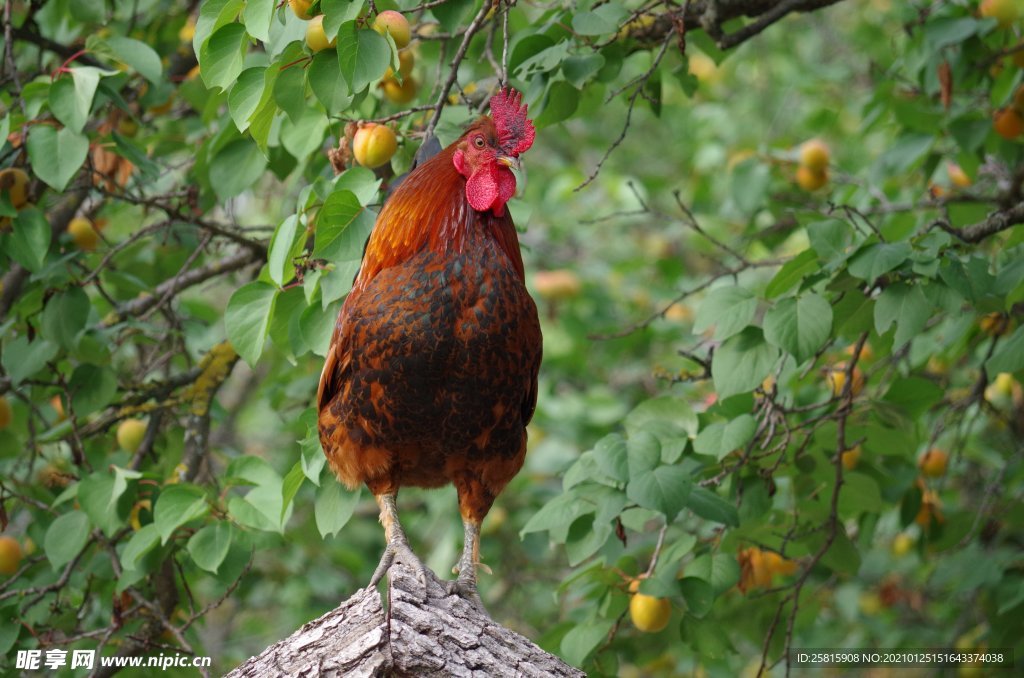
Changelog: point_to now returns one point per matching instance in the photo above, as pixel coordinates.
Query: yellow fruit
(957, 175)
(704, 68)
(5, 413)
(836, 377)
(10, 555)
(649, 614)
(1004, 389)
(406, 60)
(933, 463)
(679, 313)
(809, 179)
(1008, 123)
(400, 93)
(902, 544)
(316, 38)
(557, 285)
(866, 352)
(84, 233)
(130, 433)
(870, 603)
(1003, 11)
(58, 406)
(301, 8)
(814, 155)
(395, 23)
(188, 31)
(14, 182)
(851, 457)
(138, 507)
(775, 564)
(995, 324)
(930, 510)
(373, 145)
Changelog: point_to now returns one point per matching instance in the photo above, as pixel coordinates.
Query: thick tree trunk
(443, 635)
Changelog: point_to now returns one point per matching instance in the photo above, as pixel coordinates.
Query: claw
(465, 586)
(397, 546)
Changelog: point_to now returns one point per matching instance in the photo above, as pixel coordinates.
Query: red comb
(515, 130)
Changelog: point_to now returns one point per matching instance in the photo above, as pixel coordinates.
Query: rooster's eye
(479, 141)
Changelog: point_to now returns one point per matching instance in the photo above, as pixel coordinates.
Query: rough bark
(441, 635)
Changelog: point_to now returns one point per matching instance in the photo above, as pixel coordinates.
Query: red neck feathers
(430, 210)
(457, 196)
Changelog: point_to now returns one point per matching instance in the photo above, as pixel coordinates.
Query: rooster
(431, 375)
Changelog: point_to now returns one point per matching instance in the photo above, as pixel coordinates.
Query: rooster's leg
(397, 544)
(465, 585)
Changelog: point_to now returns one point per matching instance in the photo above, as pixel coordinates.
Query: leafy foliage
(741, 370)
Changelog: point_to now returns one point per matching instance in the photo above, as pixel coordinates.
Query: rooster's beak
(509, 161)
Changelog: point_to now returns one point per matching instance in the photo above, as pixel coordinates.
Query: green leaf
(333, 508)
(729, 309)
(706, 637)
(247, 318)
(333, 239)
(665, 489)
(451, 14)
(582, 639)
(710, 506)
(799, 325)
(791, 273)
(698, 595)
(878, 259)
(602, 21)
(644, 453)
(860, 495)
(56, 155)
(669, 418)
(141, 543)
(579, 70)
(1010, 355)
(560, 104)
(558, 514)
(290, 92)
(830, 239)
(742, 362)
(328, 84)
(905, 305)
(363, 55)
(177, 505)
(29, 240)
(257, 16)
(65, 316)
(91, 388)
(71, 98)
(721, 571)
(724, 437)
(749, 185)
(236, 167)
(94, 495)
(222, 56)
(138, 55)
(313, 459)
(245, 96)
(21, 358)
(914, 395)
(65, 538)
(290, 486)
(209, 546)
(611, 457)
(361, 181)
(279, 263)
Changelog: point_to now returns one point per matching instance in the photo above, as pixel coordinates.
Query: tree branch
(995, 223)
(443, 635)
